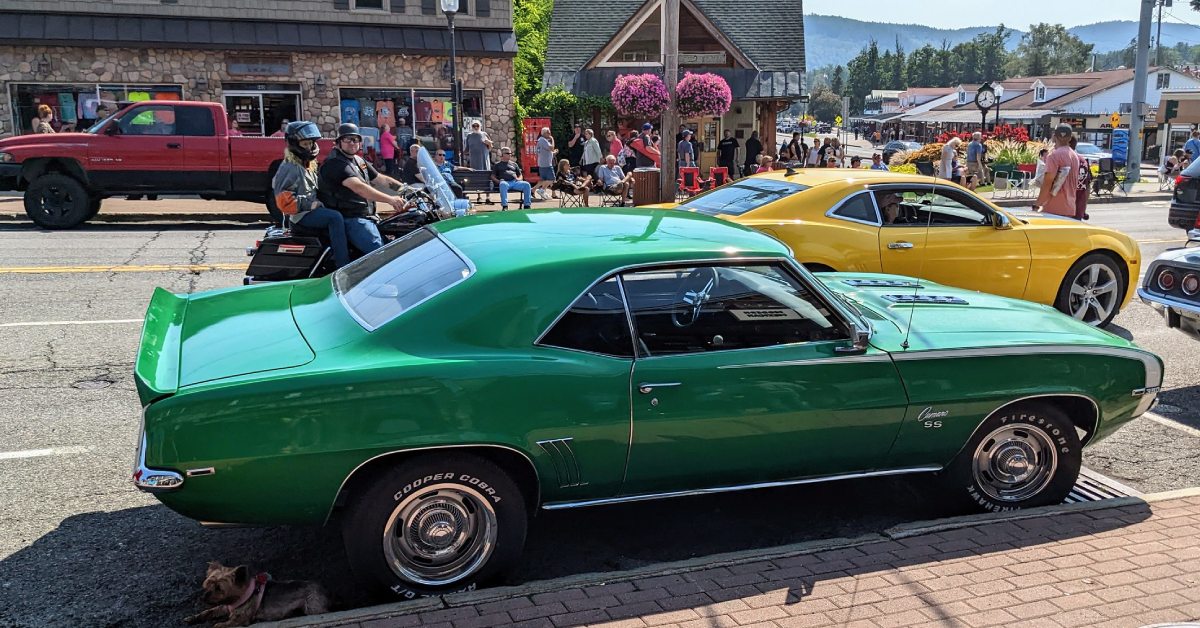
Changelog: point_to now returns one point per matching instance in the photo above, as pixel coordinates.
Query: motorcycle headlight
(6, 158)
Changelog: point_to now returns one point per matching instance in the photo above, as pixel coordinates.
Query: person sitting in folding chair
(614, 180)
(573, 188)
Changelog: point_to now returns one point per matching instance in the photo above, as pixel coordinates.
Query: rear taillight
(1166, 280)
(1190, 284)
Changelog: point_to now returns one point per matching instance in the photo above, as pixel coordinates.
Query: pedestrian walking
(685, 148)
(545, 162)
(1057, 195)
(592, 155)
(1082, 185)
(976, 153)
(753, 151)
(949, 155)
(387, 150)
(727, 153)
(479, 147)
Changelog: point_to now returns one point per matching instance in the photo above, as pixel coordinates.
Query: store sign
(702, 58)
(259, 66)
(1077, 123)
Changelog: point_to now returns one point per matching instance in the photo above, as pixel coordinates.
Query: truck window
(153, 120)
(194, 121)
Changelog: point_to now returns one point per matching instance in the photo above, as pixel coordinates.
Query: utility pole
(670, 117)
(1133, 163)
(1158, 37)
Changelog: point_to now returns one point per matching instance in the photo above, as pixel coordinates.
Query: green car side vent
(566, 466)
(938, 299)
(882, 283)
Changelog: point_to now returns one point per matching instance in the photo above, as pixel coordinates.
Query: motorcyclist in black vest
(345, 184)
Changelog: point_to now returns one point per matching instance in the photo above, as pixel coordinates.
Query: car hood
(1184, 257)
(44, 139)
(239, 331)
(953, 318)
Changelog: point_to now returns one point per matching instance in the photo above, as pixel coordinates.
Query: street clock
(985, 98)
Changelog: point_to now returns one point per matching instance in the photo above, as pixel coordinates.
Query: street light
(450, 7)
(999, 96)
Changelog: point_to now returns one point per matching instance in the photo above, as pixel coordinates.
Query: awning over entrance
(744, 83)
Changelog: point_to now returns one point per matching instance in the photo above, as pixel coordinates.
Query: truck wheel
(273, 209)
(1023, 456)
(435, 525)
(56, 201)
(93, 208)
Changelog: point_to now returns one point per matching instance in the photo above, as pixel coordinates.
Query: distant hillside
(831, 40)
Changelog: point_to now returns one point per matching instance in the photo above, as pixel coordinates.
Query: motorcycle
(298, 252)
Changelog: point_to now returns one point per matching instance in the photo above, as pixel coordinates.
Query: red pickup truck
(152, 147)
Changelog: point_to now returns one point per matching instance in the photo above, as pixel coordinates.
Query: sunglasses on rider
(355, 140)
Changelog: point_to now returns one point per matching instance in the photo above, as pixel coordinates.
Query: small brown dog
(244, 600)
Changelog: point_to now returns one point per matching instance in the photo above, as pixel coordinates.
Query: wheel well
(35, 168)
(1118, 260)
(515, 464)
(1082, 411)
(814, 267)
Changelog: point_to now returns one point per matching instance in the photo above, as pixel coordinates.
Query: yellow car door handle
(900, 245)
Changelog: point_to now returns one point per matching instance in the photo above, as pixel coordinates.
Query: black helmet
(347, 129)
(298, 131)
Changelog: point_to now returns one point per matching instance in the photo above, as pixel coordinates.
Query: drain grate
(1093, 487)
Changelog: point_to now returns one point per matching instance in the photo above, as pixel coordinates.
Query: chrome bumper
(153, 480)
(1159, 302)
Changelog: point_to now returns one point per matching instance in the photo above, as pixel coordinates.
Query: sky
(1016, 13)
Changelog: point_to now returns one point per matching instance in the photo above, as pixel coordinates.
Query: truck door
(144, 152)
(204, 153)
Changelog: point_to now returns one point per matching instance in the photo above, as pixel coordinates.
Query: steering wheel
(694, 291)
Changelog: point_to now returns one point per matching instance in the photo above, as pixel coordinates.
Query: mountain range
(831, 40)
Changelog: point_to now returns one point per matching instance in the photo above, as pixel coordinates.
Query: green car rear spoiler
(157, 369)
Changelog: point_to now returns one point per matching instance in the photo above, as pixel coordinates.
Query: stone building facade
(338, 68)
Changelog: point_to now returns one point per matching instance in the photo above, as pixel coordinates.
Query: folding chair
(1001, 183)
(717, 176)
(568, 198)
(1106, 180)
(690, 183)
(608, 199)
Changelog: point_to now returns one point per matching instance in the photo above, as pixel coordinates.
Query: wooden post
(670, 118)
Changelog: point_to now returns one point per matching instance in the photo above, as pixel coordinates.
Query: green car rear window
(739, 197)
(390, 281)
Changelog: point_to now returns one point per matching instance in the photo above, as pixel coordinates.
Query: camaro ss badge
(928, 417)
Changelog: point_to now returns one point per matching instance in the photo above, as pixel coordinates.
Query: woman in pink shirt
(1057, 195)
(387, 150)
(615, 147)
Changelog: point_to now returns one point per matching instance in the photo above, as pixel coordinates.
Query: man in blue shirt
(614, 179)
(1193, 145)
(976, 152)
(877, 162)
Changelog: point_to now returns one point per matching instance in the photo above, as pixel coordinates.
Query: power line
(1183, 20)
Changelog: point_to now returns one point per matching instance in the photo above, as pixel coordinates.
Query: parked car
(1172, 286)
(832, 219)
(145, 148)
(1184, 212)
(1091, 152)
(433, 395)
(891, 148)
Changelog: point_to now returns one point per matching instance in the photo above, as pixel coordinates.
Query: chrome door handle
(646, 387)
(900, 245)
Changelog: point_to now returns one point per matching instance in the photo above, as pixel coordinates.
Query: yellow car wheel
(1092, 290)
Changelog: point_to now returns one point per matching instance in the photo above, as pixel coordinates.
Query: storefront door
(262, 113)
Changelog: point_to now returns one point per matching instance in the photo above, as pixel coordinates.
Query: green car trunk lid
(240, 331)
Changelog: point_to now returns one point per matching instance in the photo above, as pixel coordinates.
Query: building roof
(1080, 85)
(758, 28)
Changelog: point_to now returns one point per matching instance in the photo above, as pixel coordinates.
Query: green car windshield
(385, 284)
(739, 197)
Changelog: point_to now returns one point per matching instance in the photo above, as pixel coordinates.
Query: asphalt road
(80, 547)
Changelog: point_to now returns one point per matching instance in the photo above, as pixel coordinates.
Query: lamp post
(999, 96)
(450, 7)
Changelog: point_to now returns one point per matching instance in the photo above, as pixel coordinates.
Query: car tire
(57, 201)
(1023, 456)
(435, 525)
(1079, 294)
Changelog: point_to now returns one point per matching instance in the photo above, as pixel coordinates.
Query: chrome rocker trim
(739, 487)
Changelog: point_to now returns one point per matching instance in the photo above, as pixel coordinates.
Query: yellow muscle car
(878, 221)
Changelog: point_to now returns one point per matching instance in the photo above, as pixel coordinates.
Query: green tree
(993, 53)
(837, 82)
(898, 79)
(1049, 49)
(824, 104)
(531, 24)
(864, 75)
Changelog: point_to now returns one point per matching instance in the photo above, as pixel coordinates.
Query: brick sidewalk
(1120, 566)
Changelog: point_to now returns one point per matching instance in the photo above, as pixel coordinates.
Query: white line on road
(37, 453)
(120, 321)
(1186, 429)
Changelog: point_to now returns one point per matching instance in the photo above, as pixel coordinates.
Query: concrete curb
(907, 530)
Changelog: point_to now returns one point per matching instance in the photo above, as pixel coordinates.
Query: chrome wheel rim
(440, 534)
(1094, 294)
(1014, 463)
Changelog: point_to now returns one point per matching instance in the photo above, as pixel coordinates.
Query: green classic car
(434, 395)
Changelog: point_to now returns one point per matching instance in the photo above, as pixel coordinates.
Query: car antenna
(920, 268)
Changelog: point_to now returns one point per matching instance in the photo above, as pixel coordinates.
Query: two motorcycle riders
(337, 197)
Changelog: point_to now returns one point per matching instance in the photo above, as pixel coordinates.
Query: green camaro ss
(433, 395)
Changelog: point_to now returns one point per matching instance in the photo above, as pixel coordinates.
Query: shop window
(368, 5)
(78, 106)
(1164, 80)
(483, 8)
(429, 7)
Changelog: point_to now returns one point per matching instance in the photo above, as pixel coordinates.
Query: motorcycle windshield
(435, 183)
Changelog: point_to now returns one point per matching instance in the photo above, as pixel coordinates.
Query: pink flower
(704, 94)
(640, 96)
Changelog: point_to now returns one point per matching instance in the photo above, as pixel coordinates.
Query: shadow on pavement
(1117, 330)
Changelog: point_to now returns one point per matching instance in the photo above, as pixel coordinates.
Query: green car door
(739, 379)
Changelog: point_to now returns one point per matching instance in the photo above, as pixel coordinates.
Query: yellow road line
(147, 268)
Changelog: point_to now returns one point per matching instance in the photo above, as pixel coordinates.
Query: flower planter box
(1030, 168)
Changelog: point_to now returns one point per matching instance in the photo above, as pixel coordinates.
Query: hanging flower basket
(640, 96)
(704, 94)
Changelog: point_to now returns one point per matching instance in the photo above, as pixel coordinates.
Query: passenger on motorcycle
(295, 188)
(344, 184)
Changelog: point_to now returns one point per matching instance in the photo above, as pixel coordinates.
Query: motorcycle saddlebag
(285, 258)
